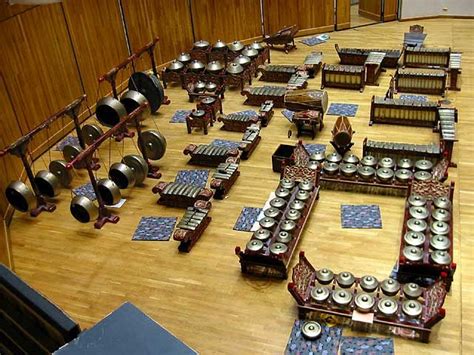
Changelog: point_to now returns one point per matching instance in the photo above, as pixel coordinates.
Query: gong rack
(111, 78)
(20, 148)
(86, 157)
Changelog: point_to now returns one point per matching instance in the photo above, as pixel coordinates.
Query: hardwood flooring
(202, 297)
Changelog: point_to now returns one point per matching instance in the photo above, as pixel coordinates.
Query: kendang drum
(342, 135)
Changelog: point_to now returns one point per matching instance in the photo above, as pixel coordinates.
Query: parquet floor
(202, 297)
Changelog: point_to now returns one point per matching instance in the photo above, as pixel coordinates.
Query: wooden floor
(202, 297)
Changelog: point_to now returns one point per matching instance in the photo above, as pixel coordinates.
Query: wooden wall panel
(390, 10)
(98, 39)
(371, 9)
(5, 245)
(343, 14)
(311, 16)
(38, 66)
(168, 19)
(227, 20)
(10, 166)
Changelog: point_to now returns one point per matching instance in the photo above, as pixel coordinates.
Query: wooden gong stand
(20, 149)
(111, 78)
(91, 165)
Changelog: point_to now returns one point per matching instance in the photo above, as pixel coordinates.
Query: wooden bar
(421, 81)
(343, 76)
(425, 57)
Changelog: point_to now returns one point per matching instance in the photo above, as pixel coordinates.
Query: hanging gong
(138, 165)
(91, 132)
(58, 168)
(109, 111)
(109, 192)
(132, 100)
(20, 196)
(83, 209)
(122, 175)
(154, 143)
(47, 183)
(150, 87)
(71, 151)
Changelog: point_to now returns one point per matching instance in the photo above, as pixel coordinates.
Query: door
(343, 14)
(390, 10)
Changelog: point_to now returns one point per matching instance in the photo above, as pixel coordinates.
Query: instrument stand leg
(42, 206)
(153, 172)
(105, 217)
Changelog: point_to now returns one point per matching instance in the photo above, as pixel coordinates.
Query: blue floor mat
(85, 190)
(312, 41)
(420, 98)
(225, 143)
(337, 109)
(69, 140)
(312, 148)
(180, 116)
(288, 114)
(361, 216)
(246, 112)
(247, 218)
(155, 228)
(197, 177)
(327, 343)
(366, 346)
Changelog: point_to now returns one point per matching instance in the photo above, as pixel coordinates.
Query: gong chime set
(365, 303)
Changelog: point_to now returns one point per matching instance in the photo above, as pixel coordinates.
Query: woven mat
(247, 218)
(337, 109)
(154, 228)
(327, 343)
(361, 216)
(196, 177)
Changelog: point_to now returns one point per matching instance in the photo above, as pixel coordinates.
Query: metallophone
(256, 96)
(265, 113)
(426, 57)
(211, 155)
(358, 56)
(250, 139)
(270, 249)
(454, 71)
(403, 112)
(238, 122)
(421, 81)
(176, 194)
(427, 243)
(343, 76)
(192, 225)
(365, 304)
(312, 63)
(224, 178)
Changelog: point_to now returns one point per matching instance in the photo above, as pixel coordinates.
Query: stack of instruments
(250, 140)
(277, 73)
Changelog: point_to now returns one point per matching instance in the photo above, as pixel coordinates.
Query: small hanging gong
(138, 165)
(150, 87)
(122, 175)
(20, 196)
(109, 111)
(83, 209)
(58, 168)
(47, 183)
(71, 151)
(154, 143)
(91, 132)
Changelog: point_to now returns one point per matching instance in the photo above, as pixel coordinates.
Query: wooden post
(6, 256)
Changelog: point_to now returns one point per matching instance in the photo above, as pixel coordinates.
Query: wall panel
(371, 9)
(98, 39)
(38, 66)
(343, 14)
(311, 16)
(390, 10)
(10, 166)
(168, 19)
(227, 20)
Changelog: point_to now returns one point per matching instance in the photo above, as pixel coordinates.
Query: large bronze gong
(154, 143)
(150, 87)
(132, 100)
